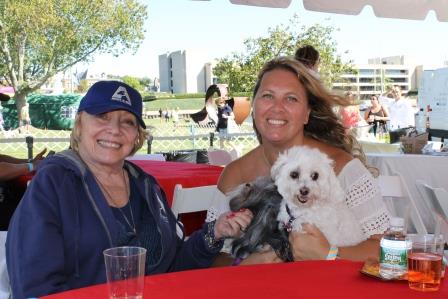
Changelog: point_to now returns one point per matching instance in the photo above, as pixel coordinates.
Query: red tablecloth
(312, 279)
(168, 174)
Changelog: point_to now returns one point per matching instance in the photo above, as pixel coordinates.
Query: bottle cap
(396, 221)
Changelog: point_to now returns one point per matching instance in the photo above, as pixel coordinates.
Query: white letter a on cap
(122, 95)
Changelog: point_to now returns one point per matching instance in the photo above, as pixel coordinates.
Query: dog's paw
(297, 226)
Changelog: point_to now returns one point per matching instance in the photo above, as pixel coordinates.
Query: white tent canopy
(400, 9)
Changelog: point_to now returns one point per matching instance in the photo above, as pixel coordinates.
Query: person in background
(11, 168)
(376, 115)
(89, 198)
(175, 117)
(166, 114)
(387, 97)
(401, 111)
(310, 57)
(224, 114)
(160, 114)
(350, 114)
(290, 108)
(25, 118)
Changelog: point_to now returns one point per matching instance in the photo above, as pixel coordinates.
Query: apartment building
(184, 71)
(373, 78)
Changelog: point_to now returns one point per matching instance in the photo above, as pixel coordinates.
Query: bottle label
(394, 253)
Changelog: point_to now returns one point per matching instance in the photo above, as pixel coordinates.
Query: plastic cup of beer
(125, 271)
(425, 262)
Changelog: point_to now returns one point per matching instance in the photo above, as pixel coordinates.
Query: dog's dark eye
(314, 176)
(294, 174)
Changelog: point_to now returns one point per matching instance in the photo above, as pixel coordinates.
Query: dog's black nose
(304, 191)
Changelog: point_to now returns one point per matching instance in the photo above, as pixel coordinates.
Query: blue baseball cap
(106, 96)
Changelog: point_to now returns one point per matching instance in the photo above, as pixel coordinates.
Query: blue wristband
(332, 253)
(30, 167)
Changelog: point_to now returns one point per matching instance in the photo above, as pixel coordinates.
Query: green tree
(133, 82)
(145, 82)
(40, 38)
(240, 69)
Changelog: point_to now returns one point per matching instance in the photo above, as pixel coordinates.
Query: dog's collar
(288, 225)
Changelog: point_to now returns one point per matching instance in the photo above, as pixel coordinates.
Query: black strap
(288, 225)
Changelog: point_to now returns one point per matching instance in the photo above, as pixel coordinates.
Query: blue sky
(217, 28)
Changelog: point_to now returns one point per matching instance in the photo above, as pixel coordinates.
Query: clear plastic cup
(125, 271)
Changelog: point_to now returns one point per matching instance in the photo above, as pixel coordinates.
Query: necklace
(269, 164)
(120, 209)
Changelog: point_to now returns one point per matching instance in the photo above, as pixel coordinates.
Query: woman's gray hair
(75, 136)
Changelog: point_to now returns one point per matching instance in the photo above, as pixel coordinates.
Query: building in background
(373, 78)
(184, 71)
(67, 82)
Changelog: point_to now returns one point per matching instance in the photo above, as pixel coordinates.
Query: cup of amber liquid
(425, 262)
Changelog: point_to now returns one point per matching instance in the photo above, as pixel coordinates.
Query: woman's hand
(310, 244)
(262, 257)
(38, 158)
(232, 224)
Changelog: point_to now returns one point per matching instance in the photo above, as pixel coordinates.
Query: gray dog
(263, 200)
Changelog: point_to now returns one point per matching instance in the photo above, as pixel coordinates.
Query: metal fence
(163, 138)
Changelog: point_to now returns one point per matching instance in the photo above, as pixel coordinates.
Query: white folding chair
(219, 157)
(148, 157)
(402, 203)
(188, 200)
(234, 154)
(5, 289)
(436, 201)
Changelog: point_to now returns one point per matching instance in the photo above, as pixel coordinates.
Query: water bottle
(394, 250)
(420, 121)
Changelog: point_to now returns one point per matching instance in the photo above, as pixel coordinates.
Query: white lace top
(363, 197)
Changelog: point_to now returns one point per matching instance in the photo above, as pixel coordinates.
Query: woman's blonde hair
(323, 124)
(75, 136)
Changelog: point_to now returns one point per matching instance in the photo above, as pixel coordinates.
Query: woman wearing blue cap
(89, 198)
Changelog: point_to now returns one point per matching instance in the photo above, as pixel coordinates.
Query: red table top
(311, 279)
(168, 174)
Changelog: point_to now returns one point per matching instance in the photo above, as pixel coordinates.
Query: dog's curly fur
(312, 193)
(263, 200)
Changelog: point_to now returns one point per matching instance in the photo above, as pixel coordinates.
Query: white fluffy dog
(312, 194)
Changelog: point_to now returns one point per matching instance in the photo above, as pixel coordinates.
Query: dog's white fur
(306, 180)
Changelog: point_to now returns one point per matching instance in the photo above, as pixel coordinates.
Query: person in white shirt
(400, 111)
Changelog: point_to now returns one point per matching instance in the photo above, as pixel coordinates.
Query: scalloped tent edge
(398, 9)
